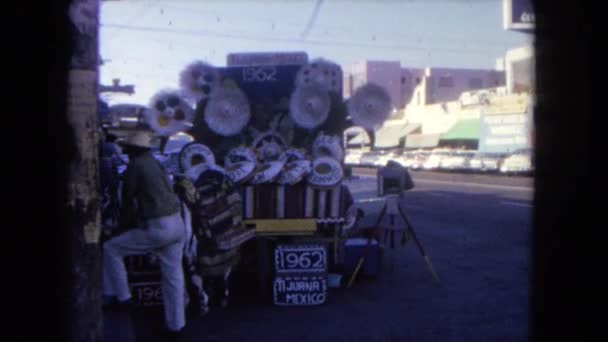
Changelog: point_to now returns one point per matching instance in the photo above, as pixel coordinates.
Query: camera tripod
(392, 208)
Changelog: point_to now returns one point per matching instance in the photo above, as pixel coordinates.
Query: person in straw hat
(159, 228)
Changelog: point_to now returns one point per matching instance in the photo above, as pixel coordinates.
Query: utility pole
(83, 201)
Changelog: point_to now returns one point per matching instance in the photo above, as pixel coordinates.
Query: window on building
(446, 82)
(475, 83)
(417, 80)
(403, 80)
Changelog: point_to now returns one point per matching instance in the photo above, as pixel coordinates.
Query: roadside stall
(271, 123)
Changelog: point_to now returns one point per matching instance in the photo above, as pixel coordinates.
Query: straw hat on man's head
(139, 139)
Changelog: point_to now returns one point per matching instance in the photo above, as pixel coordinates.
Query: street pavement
(474, 229)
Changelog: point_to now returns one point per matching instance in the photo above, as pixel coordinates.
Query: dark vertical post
(83, 172)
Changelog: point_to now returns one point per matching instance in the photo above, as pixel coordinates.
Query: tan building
(419, 87)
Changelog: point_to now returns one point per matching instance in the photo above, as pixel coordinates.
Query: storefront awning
(422, 140)
(389, 136)
(360, 139)
(463, 130)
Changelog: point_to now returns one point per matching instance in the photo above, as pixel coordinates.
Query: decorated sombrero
(240, 154)
(327, 145)
(198, 80)
(309, 105)
(241, 172)
(326, 172)
(169, 113)
(293, 172)
(227, 111)
(195, 171)
(369, 106)
(193, 154)
(323, 72)
(267, 172)
(292, 154)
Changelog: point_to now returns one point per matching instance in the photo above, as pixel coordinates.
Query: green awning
(463, 130)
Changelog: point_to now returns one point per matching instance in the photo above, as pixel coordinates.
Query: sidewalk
(118, 327)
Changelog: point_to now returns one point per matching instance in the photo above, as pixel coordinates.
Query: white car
(434, 159)
(419, 159)
(485, 162)
(352, 157)
(456, 161)
(519, 161)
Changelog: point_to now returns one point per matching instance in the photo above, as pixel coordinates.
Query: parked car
(384, 157)
(456, 160)
(520, 161)
(434, 159)
(406, 159)
(369, 158)
(486, 162)
(419, 158)
(353, 157)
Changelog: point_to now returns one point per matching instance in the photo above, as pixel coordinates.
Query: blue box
(354, 249)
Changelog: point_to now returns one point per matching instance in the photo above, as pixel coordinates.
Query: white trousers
(165, 237)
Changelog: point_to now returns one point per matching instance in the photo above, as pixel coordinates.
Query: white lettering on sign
(506, 130)
(260, 74)
(300, 259)
(148, 294)
(293, 291)
(306, 299)
(500, 141)
(505, 119)
(527, 17)
(266, 58)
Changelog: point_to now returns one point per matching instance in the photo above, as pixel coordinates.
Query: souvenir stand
(273, 123)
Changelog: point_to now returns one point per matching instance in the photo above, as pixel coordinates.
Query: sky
(148, 42)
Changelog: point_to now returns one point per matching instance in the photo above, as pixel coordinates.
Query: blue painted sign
(502, 133)
(518, 15)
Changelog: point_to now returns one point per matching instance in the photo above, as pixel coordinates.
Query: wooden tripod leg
(413, 235)
(366, 250)
(360, 263)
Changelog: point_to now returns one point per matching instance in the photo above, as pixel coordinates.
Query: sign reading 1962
(300, 259)
(260, 74)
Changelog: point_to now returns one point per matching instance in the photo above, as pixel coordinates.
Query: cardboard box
(354, 249)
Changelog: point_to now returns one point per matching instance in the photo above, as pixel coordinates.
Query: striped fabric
(272, 201)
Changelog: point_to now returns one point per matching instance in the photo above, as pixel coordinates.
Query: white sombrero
(169, 113)
(227, 112)
(198, 80)
(369, 106)
(268, 172)
(327, 145)
(323, 72)
(241, 172)
(192, 151)
(292, 154)
(240, 154)
(294, 172)
(309, 106)
(326, 173)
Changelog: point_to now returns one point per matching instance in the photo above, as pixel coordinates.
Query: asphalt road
(476, 232)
